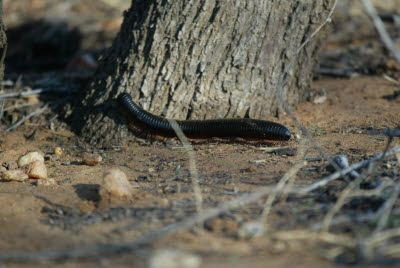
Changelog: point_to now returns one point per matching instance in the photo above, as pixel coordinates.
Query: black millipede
(220, 128)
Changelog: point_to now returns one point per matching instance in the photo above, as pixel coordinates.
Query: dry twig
(22, 120)
(2, 110)
(192, 164)
(339, 203)
(284, 181)
(380, 28)
(342, 240)
(387, 209)
(281, 81)
(23, 94)
(355, 166)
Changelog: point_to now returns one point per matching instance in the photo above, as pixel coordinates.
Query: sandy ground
(343, 124)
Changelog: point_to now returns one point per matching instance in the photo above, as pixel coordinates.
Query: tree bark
(3, 43)
(202, 59)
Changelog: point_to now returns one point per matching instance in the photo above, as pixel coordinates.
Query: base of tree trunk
(201, 60)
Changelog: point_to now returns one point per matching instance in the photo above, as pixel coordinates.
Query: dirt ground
(343, 124)
(345, 116)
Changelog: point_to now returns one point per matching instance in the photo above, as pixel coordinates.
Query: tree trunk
(203, 59)
(3, 43)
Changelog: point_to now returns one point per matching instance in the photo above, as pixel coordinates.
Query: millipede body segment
(223, 128)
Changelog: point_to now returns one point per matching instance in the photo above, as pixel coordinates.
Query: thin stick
(284, 102)
(192, 164)
(380, 28)
(345, 219)
(387, 209)
(391, 250)
(377, 239)
(346, 193)
(331, 238)
(24, 93)
(339, 203)
(268, 204)
(364, 217)
(355, 166)
(290, 183)
(26, 118)
(283, 76)
(290, 175)
(19, 106)
(2, 110)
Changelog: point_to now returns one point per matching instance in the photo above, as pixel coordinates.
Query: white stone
(115, 183)
(36, 170)
(30, 157)
(14, 175)
(251, 229)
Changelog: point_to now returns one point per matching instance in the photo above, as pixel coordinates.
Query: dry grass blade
(378, 238)
(339, 203)
(22, 120)
(327, 237)
(23, 94)
(284, 103)
(387, 209)
(19, 106)
(283, 76)
(347, 192)
(398, 157)
(391, 250)
(355, 166)
(192, 164)
(282, 182)
(2, 109)
(380, 28)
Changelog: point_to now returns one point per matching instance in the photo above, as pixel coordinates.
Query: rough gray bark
(3, 42)
(203, 59)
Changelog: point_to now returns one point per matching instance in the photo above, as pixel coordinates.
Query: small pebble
(46, 182)
(115, 184)
(36, 170)
(14, 175)
(342, 161)
(320, 99)
(250, 229)
(30, 157)
(58, 151)
(173, 258)
(92, 159)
